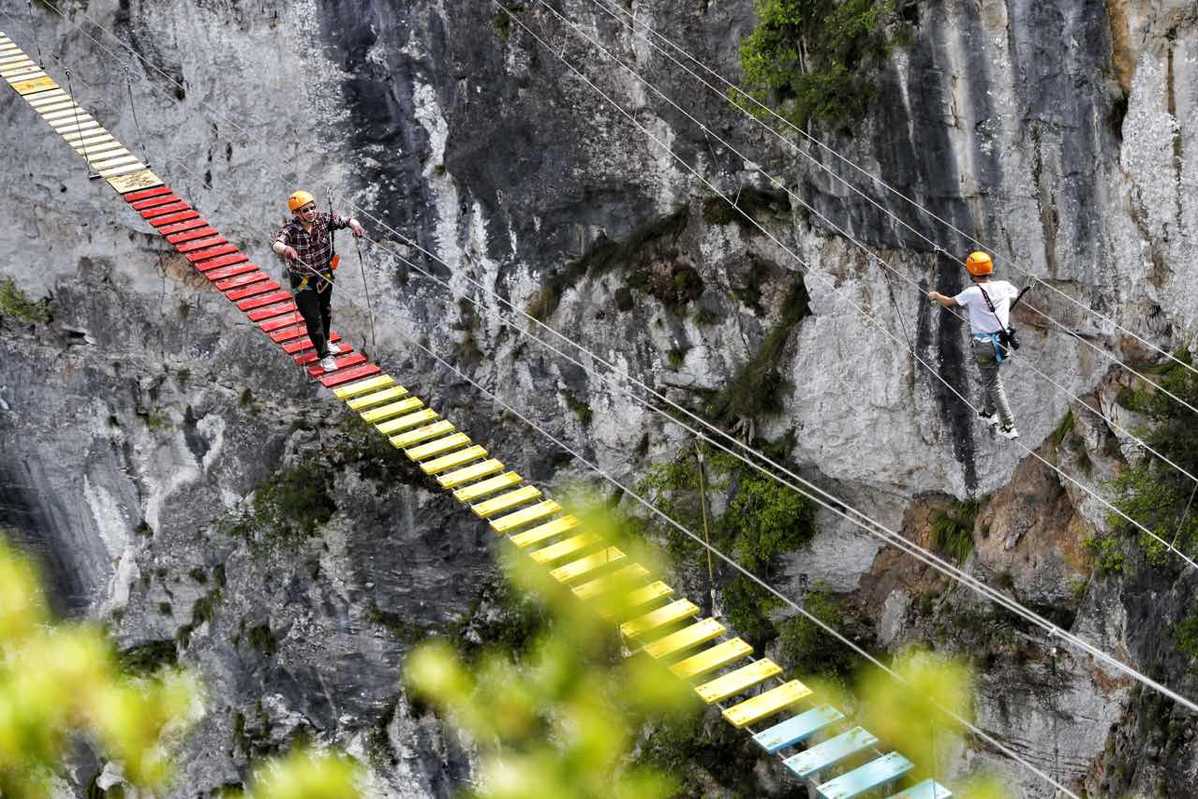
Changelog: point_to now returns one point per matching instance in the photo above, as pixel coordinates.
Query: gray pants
(993, 396)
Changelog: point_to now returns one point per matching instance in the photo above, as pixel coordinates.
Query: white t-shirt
(981, 320)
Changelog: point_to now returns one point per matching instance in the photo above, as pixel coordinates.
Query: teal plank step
(882, 771)
(797, 729)
(830, 752)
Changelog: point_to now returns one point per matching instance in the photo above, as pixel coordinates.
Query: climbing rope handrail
(740, 93)
(890, 270)
(837, 290)
(830, 503)
(712, 550)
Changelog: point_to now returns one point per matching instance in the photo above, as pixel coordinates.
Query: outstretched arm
(947, 302)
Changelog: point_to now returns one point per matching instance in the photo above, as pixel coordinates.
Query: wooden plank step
(391, 410)
(158, 199)
(163, 210)
(418, 428)
(179, 227)
(564, 549)
(377, 398)
(260, 287)
(348, 375)
(513, 521)
(250, 303)
(602, 585)
(304, 356)
(204, 253)
(142, 194)
(830, 752)
(438, 447)
(453, 460)
(650, 593)
(280, 322)
(243, 275)
(709, 660)
(340, 363)
(34, 86)
(737, 681)
(195, 232)
(506, 502)
(687, 638)
(469, 474)
(484, 488)
(797, 729)
(368, 386)
(767, 704)
(304, 343)
(674, 612)
(196, 244)
(218, 276)
(928, 789)
(577, 569)
(174, 219)
(874, 774)
(222, 261)
(268, 311)
(545, 531)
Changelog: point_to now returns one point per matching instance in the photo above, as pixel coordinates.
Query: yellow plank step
(407, 422)
(453, 460)
(542, 510)
(674, 612)
(469, 474)
(651, 592)
(34, 86)
(437, 447)
(142, 179)
(391, 410)
(377, 398)
(564, 549)
(698, 633)
(486, 487)
(710, 660)
(735, 682)
(357, 389)
(506, 502)
(544, 531)
(766, 704)
(588, 565)
(127, 169)
(620, 579)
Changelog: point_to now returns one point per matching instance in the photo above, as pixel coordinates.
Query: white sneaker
(334, 349)
(328, 364)
(989, 418)
(1008, 432)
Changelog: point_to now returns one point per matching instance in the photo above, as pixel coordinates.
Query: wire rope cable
(741, 94)
(836, 290)
(712, 550)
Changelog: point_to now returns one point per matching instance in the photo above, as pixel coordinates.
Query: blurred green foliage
(561, 719)
(15, 304)
(952, 530)
(63, 683)
(1151, 491)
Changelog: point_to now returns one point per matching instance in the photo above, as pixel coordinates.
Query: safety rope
(141, 137)
(87, 162)
(798, 608)
(731, 90)
(809, 490)
(706, 525)
(810, 271)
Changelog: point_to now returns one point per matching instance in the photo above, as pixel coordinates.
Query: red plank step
(179, 227)
(211, 252)
(260, 287)
(307, 356)
(330, 379)
(239, 279)
(172, 219)
(142, 194)
(190, 234)
(163, 210)
(154, 202)
(342, 361)
(278, 309)
(223, 260)
(304, 343)
(280, 322)
(200, 243)
(288, 333)
(257, 302)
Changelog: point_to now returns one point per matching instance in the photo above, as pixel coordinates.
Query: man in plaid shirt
(306, 243)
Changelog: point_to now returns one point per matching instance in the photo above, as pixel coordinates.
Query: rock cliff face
(137, 423)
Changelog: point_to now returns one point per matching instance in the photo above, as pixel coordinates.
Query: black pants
(316, 308)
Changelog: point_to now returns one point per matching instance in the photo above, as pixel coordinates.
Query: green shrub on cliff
(815, 58)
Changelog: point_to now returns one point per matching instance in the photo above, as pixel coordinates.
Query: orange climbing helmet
(979, 264)
(299, 199)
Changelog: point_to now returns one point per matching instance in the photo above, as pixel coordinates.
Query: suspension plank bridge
(814, 740)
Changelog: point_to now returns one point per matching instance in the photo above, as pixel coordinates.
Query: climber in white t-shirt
(989, 305)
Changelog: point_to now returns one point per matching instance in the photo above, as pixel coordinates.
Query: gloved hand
(357, 228)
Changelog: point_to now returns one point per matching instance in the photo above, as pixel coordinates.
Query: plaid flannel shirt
(315, 248)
